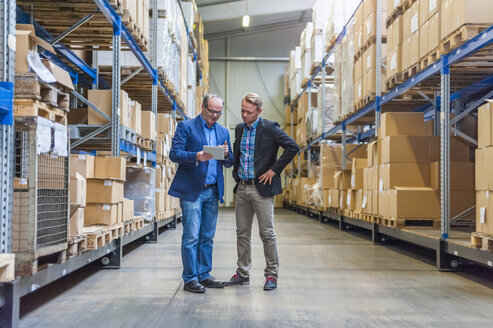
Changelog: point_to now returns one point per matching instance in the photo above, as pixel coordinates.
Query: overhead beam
(256, 29)
(215, 3)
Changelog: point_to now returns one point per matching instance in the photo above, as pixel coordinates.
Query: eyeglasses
(213, 112)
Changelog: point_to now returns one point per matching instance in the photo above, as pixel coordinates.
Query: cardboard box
(331, 154)
(327, 181)
(78, 189)
(27, 40)
(405, 175)
(102, 99)
(148, 125)
(406, 149)
(383, 203)
(82, 164)
(136, 117)
(104, 191)
(104, 214)
(484, 212)
(119, 215)
(459, 149)
(108, 167)
(424, 31)
(434, 32)
(343, 199)
(484, 174)
(462, 175)
(76, 222)
(128, 209)
(372, 153)
(414, 203)
(334, 198)
(397, 31)
(446, 21)
(342, 179)
(160, 205)
(402, 124)
(358, 201)
(394, 61)
(485, 128)
(357, 175)
(370, 6)
(165, 124)
(62, 76)
(471, 12)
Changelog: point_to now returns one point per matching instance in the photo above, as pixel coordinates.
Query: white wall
(233, 79)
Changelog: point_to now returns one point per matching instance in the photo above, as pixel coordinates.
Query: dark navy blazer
(189, 180)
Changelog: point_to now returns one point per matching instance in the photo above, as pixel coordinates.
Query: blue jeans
(199, 226)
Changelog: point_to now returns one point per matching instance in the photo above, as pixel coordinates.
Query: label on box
(482, 212)
(397, 3)
(23, 181)
(380, 185)
(106, 207)
(353, 182)
(359, 90)
(108, 183)
(432, 5)
(368, 28)
(330, 199)
(348, 200)
(340, 201)
(12, 42)
(393, 61)
(363, 204)
(138, 156)
(145, 158)
(368, 62)
(147, 171)
(414, 23)
(82, 156)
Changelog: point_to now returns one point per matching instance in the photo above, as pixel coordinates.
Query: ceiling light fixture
(245, 21)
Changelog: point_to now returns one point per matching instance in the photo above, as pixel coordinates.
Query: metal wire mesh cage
(41, 192)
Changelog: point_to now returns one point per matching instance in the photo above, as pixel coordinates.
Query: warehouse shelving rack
(474, 91)
(109, 256)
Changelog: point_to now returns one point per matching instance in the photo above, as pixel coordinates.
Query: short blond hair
(253, 99)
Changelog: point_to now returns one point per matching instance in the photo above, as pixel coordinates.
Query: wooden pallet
(97, 236)
(430, 58)
(28, 85)
(394, 81)
(32, 107)
(364, 101)
(28, 267)
(146, 144)
(461, 36)
(411, 71)
(410, 223)
(482, 241)
(76, 245)
(7, 267)
(393, 16)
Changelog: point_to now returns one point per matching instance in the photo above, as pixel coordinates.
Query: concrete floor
(328, 278)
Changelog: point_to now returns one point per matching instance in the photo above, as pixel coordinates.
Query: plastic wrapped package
(337, 92)
(313, 123)
(347, 85)
(140, 186)
(327, 117)
(320, 11)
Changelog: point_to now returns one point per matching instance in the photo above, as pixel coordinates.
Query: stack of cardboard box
(395, 40)
(484, 175)
(105, 203)
(404, 190)
(81, 169)
(365, 23)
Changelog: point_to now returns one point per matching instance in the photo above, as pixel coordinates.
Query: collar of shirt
(254, 125)
(204, 123)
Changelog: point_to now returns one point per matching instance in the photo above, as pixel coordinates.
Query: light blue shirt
(210, 137)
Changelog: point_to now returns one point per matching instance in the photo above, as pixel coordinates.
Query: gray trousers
(250, 202)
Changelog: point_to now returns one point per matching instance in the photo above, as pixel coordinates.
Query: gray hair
(209, 96)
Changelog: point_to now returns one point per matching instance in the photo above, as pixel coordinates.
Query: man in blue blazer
(199, 184)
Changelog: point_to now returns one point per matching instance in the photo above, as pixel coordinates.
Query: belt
(210, 185)
(247, 182)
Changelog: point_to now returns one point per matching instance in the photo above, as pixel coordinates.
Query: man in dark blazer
(199, 183)
(257, 174)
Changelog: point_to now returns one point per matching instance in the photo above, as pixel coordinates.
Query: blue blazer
(189, 180)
